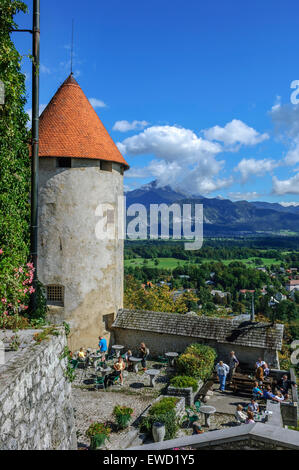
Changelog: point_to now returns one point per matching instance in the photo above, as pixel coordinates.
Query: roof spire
(72, 46)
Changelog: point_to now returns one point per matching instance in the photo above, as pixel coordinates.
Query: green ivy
(14, 155)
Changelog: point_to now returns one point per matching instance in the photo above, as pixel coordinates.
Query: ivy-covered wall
(14, 156)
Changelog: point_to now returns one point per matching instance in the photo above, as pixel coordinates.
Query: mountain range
(223, 217)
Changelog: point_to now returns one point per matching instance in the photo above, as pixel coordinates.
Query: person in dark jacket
(284, 384)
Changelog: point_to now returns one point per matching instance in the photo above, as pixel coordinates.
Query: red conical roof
(70, 127)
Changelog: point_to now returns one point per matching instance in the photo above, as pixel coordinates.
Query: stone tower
(80, 168)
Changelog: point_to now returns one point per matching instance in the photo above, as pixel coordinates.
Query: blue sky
(196, 94)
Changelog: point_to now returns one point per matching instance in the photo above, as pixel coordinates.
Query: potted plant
(122, 415)
(98, 433)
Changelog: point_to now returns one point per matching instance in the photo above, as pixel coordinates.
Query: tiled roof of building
(70, 127)
(243, 333)
(294, 282)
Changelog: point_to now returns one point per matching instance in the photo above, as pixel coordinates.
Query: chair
(197, 405)
(191, 416)
(85, 367)
(162, 360)
(99, 381)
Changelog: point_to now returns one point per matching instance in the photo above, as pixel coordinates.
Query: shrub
(122, 415)
(197, 361)
(162, 411)
(163, 406)
(169, 420)
(183, 381)
(98, 433)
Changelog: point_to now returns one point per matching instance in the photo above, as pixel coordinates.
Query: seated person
(118, 367)
(240, 415)
(253, 406)
(259, 363)
(266, 370)
(249, 418)
(259, 374)
(268, 395)
(127, 356)
(279, 396)
(196, 428)
(81, 354)
(284, 384)
(256, 391)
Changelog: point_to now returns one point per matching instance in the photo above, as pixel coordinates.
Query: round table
(152, 375)
(105, 371)
(117, 348)
(171, 357)
(207, 411)
(135, 361)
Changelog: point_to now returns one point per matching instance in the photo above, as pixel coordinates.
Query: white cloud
(45, 69)
(95, 103)
(292, 157)
(290, 186)
(249, 196)
(289, 204)
(170, 143)
(125, 126)
(252, 167)
(235, 132)
(183, 159)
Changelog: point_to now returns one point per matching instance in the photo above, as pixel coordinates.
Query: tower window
(106, 166)
(64, 162)
(55, 295)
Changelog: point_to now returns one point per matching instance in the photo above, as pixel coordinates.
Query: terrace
(93, 403)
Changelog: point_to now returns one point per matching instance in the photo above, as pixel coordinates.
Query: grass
(172, 263)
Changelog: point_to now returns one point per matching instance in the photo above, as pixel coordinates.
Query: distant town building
(292, 285)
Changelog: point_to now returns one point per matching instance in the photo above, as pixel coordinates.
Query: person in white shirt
(240, 415)
(259, 363)
(253, 406)
(222, 371)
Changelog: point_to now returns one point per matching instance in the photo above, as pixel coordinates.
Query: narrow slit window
(55, 295)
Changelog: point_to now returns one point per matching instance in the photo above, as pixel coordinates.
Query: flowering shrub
(15, 286)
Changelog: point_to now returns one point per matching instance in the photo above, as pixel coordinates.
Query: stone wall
(186, 392)
(244, 437)
(35, 398)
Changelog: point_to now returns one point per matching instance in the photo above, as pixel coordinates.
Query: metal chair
(197, 405)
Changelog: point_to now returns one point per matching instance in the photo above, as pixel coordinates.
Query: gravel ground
(98, 406)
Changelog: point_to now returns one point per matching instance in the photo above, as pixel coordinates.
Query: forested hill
(222, 216)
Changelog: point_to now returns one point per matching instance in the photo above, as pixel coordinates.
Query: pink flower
(25, 307)
(4, 300)
(25, 290)
(20, 269)
(1, 251)
(5, 313)
(31, 290)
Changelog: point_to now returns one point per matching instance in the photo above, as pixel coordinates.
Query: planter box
(187, 393)
(179, 407)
